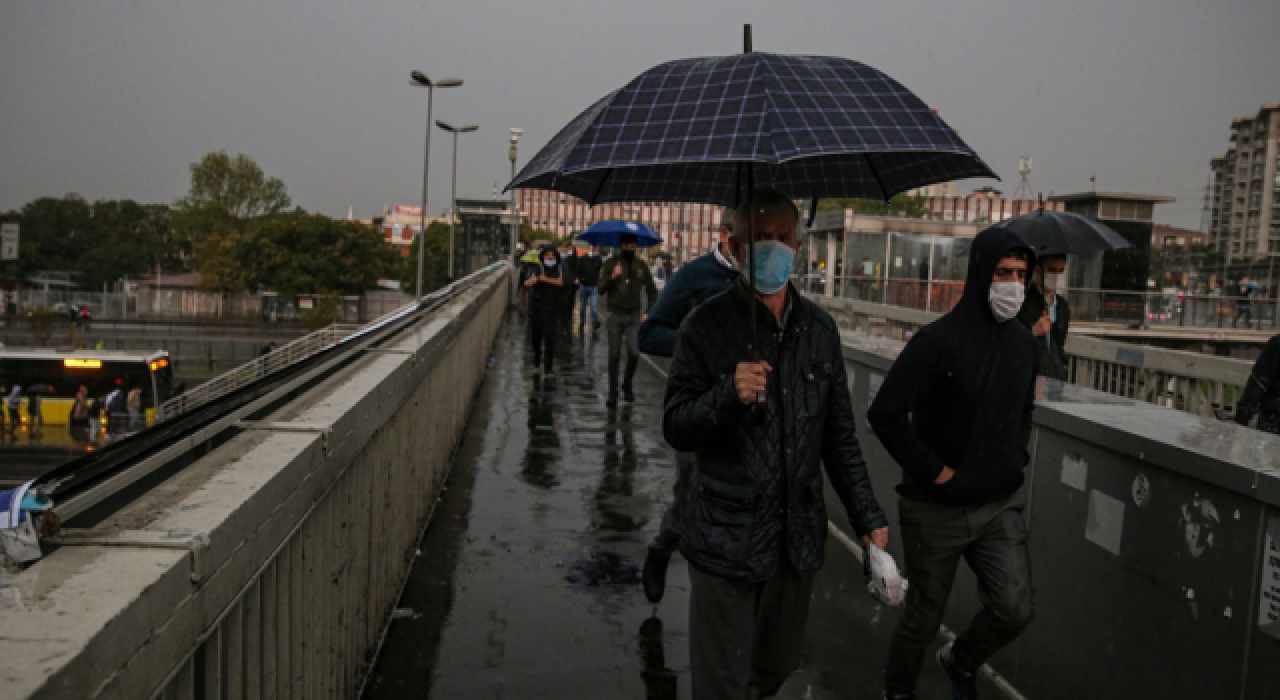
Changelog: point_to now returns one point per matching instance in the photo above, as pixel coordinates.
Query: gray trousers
(623, 329)
(992, 538)
(745, 638)
(668, 538)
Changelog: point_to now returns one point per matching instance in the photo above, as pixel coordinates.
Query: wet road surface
(528, 581)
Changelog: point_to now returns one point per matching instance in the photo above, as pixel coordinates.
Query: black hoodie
(961, 393)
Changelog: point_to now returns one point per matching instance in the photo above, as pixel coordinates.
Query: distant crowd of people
(120, 411)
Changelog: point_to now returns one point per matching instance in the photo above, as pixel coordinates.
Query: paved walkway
(528, 582)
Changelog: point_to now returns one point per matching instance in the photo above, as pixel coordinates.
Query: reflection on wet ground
(528, 581)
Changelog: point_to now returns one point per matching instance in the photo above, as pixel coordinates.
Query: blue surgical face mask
(773, 261)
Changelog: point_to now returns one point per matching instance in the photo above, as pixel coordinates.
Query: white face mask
(1006, 299)
(1055, 283)
(549, 262)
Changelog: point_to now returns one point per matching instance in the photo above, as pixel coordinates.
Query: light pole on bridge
(515, 209)
(419, 79)
(453, 208)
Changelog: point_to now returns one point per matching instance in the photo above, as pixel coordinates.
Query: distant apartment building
(985, 205)
(1245, 215)
(400, 224)
(1166, 236)
(687, 229)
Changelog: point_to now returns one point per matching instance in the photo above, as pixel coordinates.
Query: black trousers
(745, 638)
(992, 538)
(543, 320)
(623, 330)
(668, 538)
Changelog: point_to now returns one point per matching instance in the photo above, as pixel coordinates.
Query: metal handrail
(256, 369)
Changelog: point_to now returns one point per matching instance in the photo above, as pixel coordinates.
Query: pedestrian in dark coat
(1048, 314)
(545, 305)
(755, 520)
(629, 292)
(955, 413)
(694, 284)
(1262, 393)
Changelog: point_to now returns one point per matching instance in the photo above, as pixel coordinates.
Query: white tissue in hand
(885, 584)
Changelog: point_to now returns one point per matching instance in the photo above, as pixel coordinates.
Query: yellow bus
(60, 374)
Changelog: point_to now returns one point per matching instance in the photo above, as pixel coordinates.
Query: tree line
(235, 226)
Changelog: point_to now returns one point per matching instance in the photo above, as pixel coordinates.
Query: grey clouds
(114, 98)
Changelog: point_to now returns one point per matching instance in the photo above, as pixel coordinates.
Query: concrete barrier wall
(268, 568)
(1154, 541)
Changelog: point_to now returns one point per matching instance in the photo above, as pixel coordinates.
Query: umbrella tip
(746, 38)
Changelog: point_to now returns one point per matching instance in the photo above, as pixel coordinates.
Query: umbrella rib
(884, 192)
(600, 188)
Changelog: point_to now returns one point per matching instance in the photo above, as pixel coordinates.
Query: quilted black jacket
(757, 489)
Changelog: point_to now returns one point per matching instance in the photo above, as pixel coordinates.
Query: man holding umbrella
(1048, 315)
(629, 292)
(754, 516)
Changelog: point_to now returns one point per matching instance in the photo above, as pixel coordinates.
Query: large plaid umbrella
(696, 130)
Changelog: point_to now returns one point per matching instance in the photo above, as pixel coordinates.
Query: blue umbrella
(696, 130)
(609, 233)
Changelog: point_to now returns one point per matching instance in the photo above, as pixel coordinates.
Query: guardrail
(1154, 541)
(1144, 309)
(256, 369)
(1206, 385)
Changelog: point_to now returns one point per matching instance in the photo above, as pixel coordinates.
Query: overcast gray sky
(115, 98)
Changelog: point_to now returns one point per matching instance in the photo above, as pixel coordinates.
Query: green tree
(903, 204)
(435, 260)
(101, 242)
(227, 198)
(233, 190)
(529, 234)
(303, 253)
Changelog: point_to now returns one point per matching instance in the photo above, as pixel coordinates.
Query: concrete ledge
(281, 533)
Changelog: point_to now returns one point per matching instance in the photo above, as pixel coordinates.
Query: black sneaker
(655, 574)
(964, 684)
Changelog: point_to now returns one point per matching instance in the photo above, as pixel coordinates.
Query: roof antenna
(746, 38)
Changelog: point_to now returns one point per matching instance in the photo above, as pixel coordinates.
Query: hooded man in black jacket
(754, 516)
(955, 413)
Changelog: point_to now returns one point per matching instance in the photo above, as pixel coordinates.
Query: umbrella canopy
(609, 234)
(811, 126)
(1059, 233)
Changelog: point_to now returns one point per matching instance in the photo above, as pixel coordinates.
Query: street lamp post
(453, 208)
(418, 79)
(515, 209)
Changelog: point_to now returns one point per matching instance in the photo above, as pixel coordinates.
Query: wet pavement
(528, 580)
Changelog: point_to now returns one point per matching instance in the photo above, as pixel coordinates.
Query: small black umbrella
(1051, 232)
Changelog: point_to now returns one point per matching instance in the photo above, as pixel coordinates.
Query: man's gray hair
(762, 200)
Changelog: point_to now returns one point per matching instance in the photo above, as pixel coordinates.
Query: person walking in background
(133, 404)
(629, 292)
(695, 283)
(14, 404)
(587, 272)
(117, 414)
(755, 524)
(955, 413)
(35, 413)
(1262, 392)
(78, 420)
(1244, 304)
(97, 413)
(569, 269)
(545, 307)
(1048, 314)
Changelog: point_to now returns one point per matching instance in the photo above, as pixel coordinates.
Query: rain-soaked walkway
(528, 581)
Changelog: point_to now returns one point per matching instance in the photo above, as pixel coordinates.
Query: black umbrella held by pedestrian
(1050, 232)
(713, 129)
